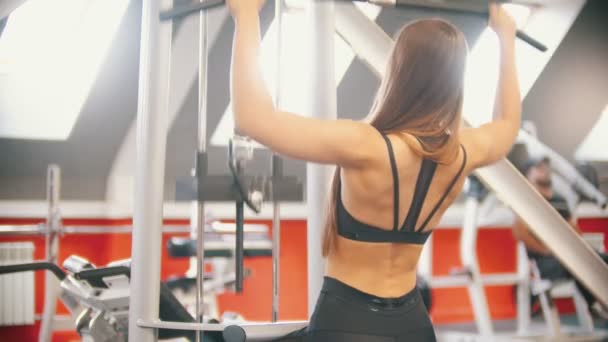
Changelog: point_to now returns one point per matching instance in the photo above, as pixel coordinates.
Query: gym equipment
(477, 7)
(238, 187)
(98, 299)
(220, 254)
(219, 245)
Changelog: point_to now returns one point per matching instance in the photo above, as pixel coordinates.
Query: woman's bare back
(388, 269)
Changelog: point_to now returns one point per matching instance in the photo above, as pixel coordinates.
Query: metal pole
(239, 250)
(152, 116)
(276, 172)
(201, 167)
(276, 242)
(322, 105)
(469, 259)
(53, 225)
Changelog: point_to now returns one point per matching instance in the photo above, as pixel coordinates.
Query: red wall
(496, 251)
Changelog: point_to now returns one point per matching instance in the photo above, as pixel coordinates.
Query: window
(50, 54)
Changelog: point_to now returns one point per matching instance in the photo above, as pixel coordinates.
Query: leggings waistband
(334, 286)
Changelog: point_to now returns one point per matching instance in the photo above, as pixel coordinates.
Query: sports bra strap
(423, 182)
(391, 155)
(449, 189)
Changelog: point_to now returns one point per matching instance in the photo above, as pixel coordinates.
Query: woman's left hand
(238, 7)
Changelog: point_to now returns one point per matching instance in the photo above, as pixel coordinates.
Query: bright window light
(482, 71)
(593, 148)
(51, 52)
(295, 65)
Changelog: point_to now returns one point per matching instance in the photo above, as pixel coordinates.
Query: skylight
(294, 64)
(50, 54)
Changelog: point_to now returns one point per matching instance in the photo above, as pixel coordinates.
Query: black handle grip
(34, 266)
(240, 248)
(445, 5)
(98, 274)
(535, 43)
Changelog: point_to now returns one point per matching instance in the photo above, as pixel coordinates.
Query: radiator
(16, 289)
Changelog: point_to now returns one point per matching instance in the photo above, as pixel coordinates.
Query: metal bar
(322, 105)
(239, 257)
(277, 171)
(53, 225)
(55, 271)
(502, 178)
(276, 240)
(254, 331)
(184, 73)
(152, 113)
(466, 6)
(468, 255)
(462, 6)
(201, 165)
(40, 229)
(464, 280)
(29, 229)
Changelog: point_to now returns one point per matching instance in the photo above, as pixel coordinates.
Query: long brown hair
(421, 94)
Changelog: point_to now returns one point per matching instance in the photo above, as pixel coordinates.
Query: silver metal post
(276, 207)
(53, 225)
(152, 117)
(322, 105)
(201, 147)
(468, 255)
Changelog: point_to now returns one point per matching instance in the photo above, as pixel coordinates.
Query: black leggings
(345, 314)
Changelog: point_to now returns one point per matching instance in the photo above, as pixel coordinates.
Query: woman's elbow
(251, 123)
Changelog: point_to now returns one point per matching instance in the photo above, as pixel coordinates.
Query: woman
(395, 176)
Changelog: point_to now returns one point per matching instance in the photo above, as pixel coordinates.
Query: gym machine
(238, 187)
(477, 7)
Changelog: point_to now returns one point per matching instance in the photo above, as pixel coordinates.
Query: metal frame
(41, 229)
(53, 229)
(201, 147)
(277, 171)
(152, 130)
(468, 255)
(152, 113)
(323, 101)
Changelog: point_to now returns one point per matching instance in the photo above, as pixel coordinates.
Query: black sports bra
(352, 229)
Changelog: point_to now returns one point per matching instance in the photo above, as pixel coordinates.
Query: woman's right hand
(502, 23)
